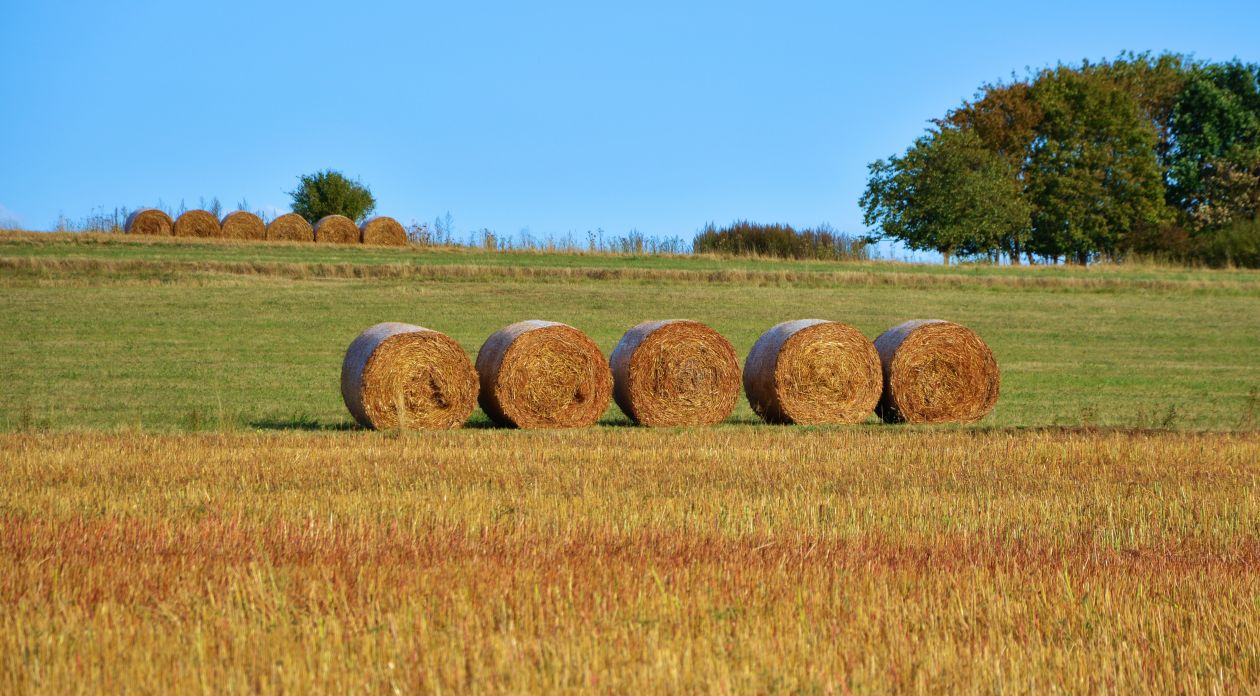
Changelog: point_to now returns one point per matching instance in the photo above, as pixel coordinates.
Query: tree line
(1155, 155)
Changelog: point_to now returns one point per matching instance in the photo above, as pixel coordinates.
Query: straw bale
(936, 372)
(242, 224)
(149, 221)
(336, 229)
(542, 374)
(813, 371)
(675, 372)
(384, 231)
(400, 375)
(197, 223)
(290, 227)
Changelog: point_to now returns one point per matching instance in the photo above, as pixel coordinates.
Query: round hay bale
(243, 225)
(336, 229)
(384, 231)
(813, 371)
(290, 227)
(541, 374)
(197, 223)
(399, 375)
(149, 221)
(675, 372)
(936, 372)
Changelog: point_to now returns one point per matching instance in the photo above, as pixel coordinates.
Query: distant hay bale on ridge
(383, 230)
(290, 227)
(197, 223)
(543, 374)
(242, 224)
(400, 375)
(675, 372)
(813, 371)
(149, 221)
(936, 372)
(336, 229)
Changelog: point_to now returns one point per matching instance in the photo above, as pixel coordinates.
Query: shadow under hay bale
(399, 375)
(542, 374)
(812, 372)
(936, 372)
(675, 372)
(383, 231)
(336, 229)
(197, 223)
(149, 221)
(290, 227)
(243, 225)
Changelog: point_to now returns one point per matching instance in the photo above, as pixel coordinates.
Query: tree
(1215, 162)
(950, 194)
(328, 192)
(1092, 174)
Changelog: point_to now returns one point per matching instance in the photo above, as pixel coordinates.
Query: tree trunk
(1082, 257)
(946, 253)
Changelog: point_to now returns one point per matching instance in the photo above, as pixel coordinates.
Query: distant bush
(1234, 245)
(745, 238)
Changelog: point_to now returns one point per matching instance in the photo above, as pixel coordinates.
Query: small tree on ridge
(329, 192)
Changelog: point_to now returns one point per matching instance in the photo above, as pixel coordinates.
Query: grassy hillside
(1016, 556)
(109, 332)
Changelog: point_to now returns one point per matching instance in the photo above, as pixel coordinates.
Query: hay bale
(675, 372)
(290, 227)
(541, 374)
(243, 225)
(149, 221)
(336, 229)
(813, 371)
(197, 223)
(936, 372)
(399, 375)
(384, 231)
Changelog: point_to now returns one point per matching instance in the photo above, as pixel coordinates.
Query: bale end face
(197, 223)
(403, 376)
(813, 371)
(936, 372)
(542, 374)
(383, 231)
(290, 227)
(675, 373)
(149, 221)
(336, 229)
(241, 224)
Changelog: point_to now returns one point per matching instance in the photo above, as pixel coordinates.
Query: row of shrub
(744, 238)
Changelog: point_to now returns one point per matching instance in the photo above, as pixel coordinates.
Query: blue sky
(556, 117)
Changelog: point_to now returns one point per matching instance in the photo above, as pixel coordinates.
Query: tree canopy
(329, 192)
(1157, 154)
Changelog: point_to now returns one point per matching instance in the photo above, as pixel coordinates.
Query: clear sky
(556, 117)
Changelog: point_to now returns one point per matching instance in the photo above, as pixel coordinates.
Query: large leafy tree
(1092, 173)
(948, 193)
(1215, 163)
(329, 192)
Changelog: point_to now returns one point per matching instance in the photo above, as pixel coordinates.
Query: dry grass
(628, 560)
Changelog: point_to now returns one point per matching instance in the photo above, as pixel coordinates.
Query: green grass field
(1099, 532)
(106, 333)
